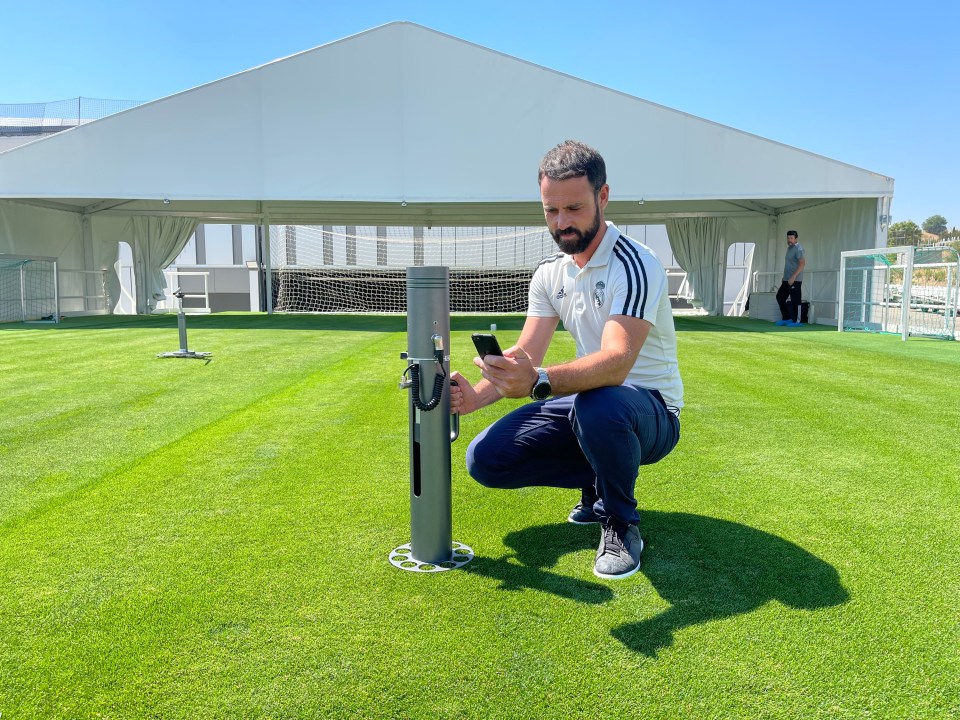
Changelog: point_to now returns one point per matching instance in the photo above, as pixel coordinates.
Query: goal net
(904, 290)
(28, 289)
(343, 268)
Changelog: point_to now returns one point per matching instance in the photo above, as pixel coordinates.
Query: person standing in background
(792, 278)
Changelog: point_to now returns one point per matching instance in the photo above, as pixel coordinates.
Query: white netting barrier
(50, 117)
(28, 289)
(363, 269)
(903, 290)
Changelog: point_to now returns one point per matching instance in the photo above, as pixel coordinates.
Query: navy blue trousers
(595, 439)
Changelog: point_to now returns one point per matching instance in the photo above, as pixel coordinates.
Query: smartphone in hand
(486, 344)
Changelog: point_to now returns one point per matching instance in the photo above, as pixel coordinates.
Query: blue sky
(873, 84)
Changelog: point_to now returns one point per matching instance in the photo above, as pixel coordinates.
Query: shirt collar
(602, 256)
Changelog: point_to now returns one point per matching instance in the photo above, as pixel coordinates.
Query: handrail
(173, 281)
(99, 296)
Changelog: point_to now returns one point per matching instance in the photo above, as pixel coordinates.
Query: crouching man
(594, 420)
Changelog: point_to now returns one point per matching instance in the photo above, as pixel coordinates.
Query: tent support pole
(267, 270)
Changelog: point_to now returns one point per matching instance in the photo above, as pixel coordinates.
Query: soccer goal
(346, 269)
(903, 290)
(28, 289)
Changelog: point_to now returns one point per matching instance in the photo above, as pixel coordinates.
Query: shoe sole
(582, 522)
(622, 575)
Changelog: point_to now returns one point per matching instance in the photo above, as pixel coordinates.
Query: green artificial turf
(181, 539)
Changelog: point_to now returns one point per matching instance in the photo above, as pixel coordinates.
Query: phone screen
(486, 344)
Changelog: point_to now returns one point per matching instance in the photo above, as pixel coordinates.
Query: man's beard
(581, 240)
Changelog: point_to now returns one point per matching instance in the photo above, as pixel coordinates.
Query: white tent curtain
(699, 245)
(30, 230)
(156, 243)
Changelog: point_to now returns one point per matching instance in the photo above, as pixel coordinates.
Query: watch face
(541, 390)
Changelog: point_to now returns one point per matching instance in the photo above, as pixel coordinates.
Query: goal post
(903, 290)
(29, 289)
(362, 269)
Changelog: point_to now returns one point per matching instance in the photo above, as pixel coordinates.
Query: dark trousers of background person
(792, 311)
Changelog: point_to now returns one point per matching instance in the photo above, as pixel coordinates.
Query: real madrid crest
(598, 294)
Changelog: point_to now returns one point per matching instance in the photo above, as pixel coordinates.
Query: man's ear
(603, 196)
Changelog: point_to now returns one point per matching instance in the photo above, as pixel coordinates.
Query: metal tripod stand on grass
(183, 352)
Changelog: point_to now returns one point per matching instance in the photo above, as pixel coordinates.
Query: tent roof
(402, 124)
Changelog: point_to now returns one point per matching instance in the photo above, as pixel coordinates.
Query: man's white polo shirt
(623, 277)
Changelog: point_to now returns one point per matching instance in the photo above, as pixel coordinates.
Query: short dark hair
(571, 159)
(793, 232)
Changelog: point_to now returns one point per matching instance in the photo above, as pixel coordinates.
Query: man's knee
(484, 467)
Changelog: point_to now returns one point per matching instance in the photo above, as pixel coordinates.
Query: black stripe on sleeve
(636, 274)
(632, 249)
(629, 275)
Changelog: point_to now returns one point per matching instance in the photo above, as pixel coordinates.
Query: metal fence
(49, 117)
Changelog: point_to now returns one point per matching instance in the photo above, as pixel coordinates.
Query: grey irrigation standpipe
(432, 428)
(183, 352)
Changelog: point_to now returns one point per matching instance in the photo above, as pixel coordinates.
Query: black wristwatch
(541, 388)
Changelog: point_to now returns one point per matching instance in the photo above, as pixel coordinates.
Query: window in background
(219, 244)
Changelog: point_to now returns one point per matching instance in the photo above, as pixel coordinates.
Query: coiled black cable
(438, 379)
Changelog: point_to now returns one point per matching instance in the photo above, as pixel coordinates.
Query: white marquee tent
(402, 125)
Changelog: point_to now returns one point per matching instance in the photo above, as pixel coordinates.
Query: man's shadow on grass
(707, 569)
(538, 548)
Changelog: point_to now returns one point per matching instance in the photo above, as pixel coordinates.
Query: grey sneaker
(619, 553)
(582, 515)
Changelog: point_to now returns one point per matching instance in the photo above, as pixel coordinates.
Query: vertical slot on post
(416, 469)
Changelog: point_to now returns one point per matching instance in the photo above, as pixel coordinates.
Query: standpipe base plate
(186, 354)
(402, 558)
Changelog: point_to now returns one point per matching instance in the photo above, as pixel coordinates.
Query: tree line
(907, 232)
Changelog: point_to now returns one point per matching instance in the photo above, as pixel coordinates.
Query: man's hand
(463, 396)
(513, 374)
